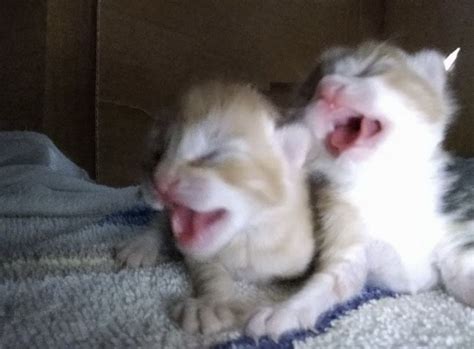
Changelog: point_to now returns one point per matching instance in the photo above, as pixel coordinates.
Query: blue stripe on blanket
(324, 323)
(136, 216)
(142, 215)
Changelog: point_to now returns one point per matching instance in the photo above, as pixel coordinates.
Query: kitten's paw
(141, 251)
(196, 315)
(458, 277)
(276, 320)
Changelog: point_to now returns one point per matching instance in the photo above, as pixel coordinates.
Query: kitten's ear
(430, 65)
(294, 142)
(450, 60)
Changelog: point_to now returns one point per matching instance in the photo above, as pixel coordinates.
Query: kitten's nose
(329, 89)
(165, 187)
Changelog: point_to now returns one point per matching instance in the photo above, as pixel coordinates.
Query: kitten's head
(224, 166)
(376, 100)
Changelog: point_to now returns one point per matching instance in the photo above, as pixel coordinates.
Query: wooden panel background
(47, 72)
(22, 64)
(59, 55)
(70, 75)
(148, 50)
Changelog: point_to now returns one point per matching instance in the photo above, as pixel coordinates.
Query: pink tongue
(182, 223)
(357, 130)
(188, 224)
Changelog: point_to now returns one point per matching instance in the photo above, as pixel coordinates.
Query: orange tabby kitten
(236, 194)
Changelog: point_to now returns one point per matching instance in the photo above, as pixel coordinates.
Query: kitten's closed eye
(376, 66)
(207, 158)
(373, 70)
(232, 149)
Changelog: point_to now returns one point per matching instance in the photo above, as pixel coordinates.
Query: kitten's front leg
(339, 279)
(141, 251)
(213, 308)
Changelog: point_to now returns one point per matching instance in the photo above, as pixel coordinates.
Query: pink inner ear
(355, 131)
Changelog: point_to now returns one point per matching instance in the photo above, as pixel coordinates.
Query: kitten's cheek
(316, 121)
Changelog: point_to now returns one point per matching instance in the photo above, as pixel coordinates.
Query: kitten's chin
(196, 232)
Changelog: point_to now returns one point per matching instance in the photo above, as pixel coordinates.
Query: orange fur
(228, 154)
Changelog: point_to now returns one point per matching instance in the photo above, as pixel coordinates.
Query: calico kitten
(236, 195)
(378, 116)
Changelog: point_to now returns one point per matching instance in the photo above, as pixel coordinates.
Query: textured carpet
(60, 288)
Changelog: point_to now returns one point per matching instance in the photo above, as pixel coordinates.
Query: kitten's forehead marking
(366, 60)
(231, 121)
(391, 65)
(221, 130)
(195, 141)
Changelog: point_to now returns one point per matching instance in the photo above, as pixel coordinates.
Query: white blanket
(60, 288)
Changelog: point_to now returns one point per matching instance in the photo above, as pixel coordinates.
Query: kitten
(236, 194)
(378, 116)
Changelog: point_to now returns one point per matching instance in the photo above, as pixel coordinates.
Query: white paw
(276, 320)
(137, 252)
(196, 315)
(458, 276)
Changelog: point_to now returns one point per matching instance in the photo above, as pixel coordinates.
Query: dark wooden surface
(144, 52)
(69, 114)
(22, 63)
(149, 50)
(47, 72)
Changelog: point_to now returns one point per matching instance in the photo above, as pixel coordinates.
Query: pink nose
(166, 188)
(329, 89)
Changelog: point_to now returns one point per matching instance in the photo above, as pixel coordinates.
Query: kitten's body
(400, 232)
(237, 198)
(378, 117)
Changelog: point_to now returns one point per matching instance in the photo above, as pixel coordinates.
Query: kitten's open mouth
(190, 227)
(351, 129)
